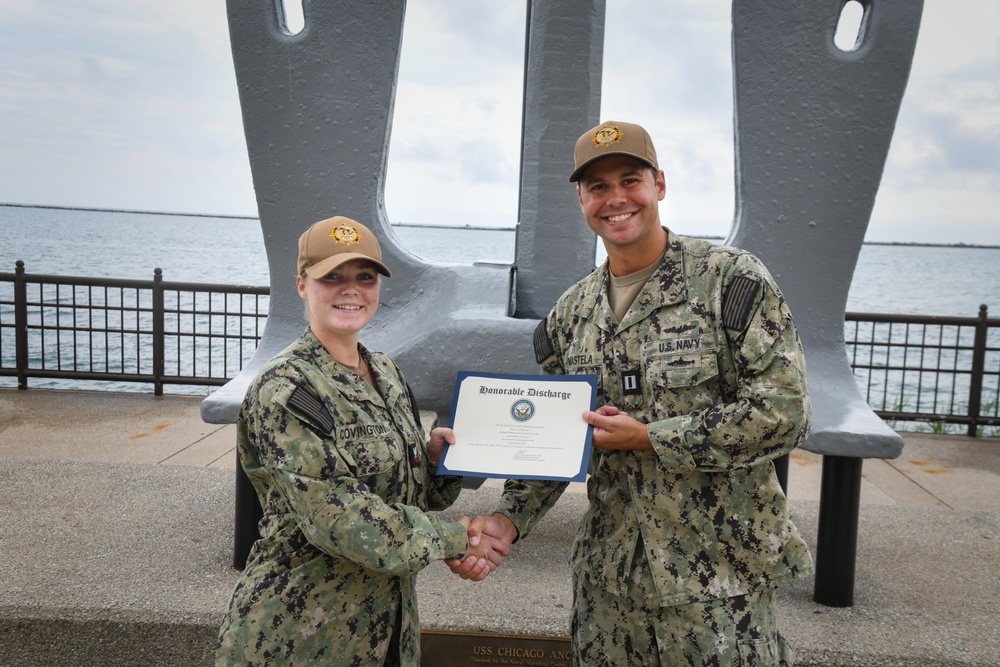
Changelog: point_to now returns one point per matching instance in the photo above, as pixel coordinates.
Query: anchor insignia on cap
(346, 234)
(607, 135)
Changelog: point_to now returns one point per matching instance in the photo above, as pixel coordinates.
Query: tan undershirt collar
(622, 290)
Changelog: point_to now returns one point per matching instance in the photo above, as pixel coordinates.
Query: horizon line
(933, 244)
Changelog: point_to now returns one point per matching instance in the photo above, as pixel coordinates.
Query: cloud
(464, 44)
(948, 130)
(131, 106)
(457, 123)
(135, 105)
(941, 148)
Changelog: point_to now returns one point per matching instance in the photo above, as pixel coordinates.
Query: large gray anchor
(317, 112)
(813, 126)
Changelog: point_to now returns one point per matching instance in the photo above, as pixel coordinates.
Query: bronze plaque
(468, 649)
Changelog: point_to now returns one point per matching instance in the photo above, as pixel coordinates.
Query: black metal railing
(942, 370)
(108, 329)
(912, 368)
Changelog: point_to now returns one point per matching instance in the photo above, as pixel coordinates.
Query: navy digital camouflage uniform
(708, 358)
(344, 478)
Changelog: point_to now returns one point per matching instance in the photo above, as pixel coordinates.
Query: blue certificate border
(580, 476)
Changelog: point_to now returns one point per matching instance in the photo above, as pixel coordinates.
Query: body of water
(888, 279)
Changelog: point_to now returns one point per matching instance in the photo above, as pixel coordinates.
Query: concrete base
(126, 564)
(112, 564)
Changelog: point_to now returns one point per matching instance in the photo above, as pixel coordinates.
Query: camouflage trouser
(635, 630)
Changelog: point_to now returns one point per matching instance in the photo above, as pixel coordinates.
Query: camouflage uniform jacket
(708, 358)
(345, 530)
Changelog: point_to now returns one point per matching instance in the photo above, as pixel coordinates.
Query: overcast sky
(132, 104)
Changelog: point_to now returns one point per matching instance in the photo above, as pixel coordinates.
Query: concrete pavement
(116, 537)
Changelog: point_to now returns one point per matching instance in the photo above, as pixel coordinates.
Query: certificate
(521, 426)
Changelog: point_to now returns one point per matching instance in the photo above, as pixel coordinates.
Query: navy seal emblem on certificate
(522, 410)
(521, 426)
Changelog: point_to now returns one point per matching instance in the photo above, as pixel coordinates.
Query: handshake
(490, 538)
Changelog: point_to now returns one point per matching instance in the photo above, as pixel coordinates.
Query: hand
(486, 546)
(435, 448)
(614, 429)
(490, 538)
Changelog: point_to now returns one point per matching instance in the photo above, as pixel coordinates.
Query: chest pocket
(371, 448)
(677, 371)
(373, 455)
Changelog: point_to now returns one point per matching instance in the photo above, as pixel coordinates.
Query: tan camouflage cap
(612, 137)
(334, 241)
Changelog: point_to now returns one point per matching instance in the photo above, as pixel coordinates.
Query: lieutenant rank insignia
(630, 383)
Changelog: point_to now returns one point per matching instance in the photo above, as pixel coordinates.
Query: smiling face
(343, 301)
(619, 196)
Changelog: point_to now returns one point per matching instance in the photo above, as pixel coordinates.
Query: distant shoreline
(916, 244)
(124, 210)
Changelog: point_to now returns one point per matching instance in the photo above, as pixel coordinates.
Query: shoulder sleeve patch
(543, 345)
(413, 405)
(738, 302)
(312, 408)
